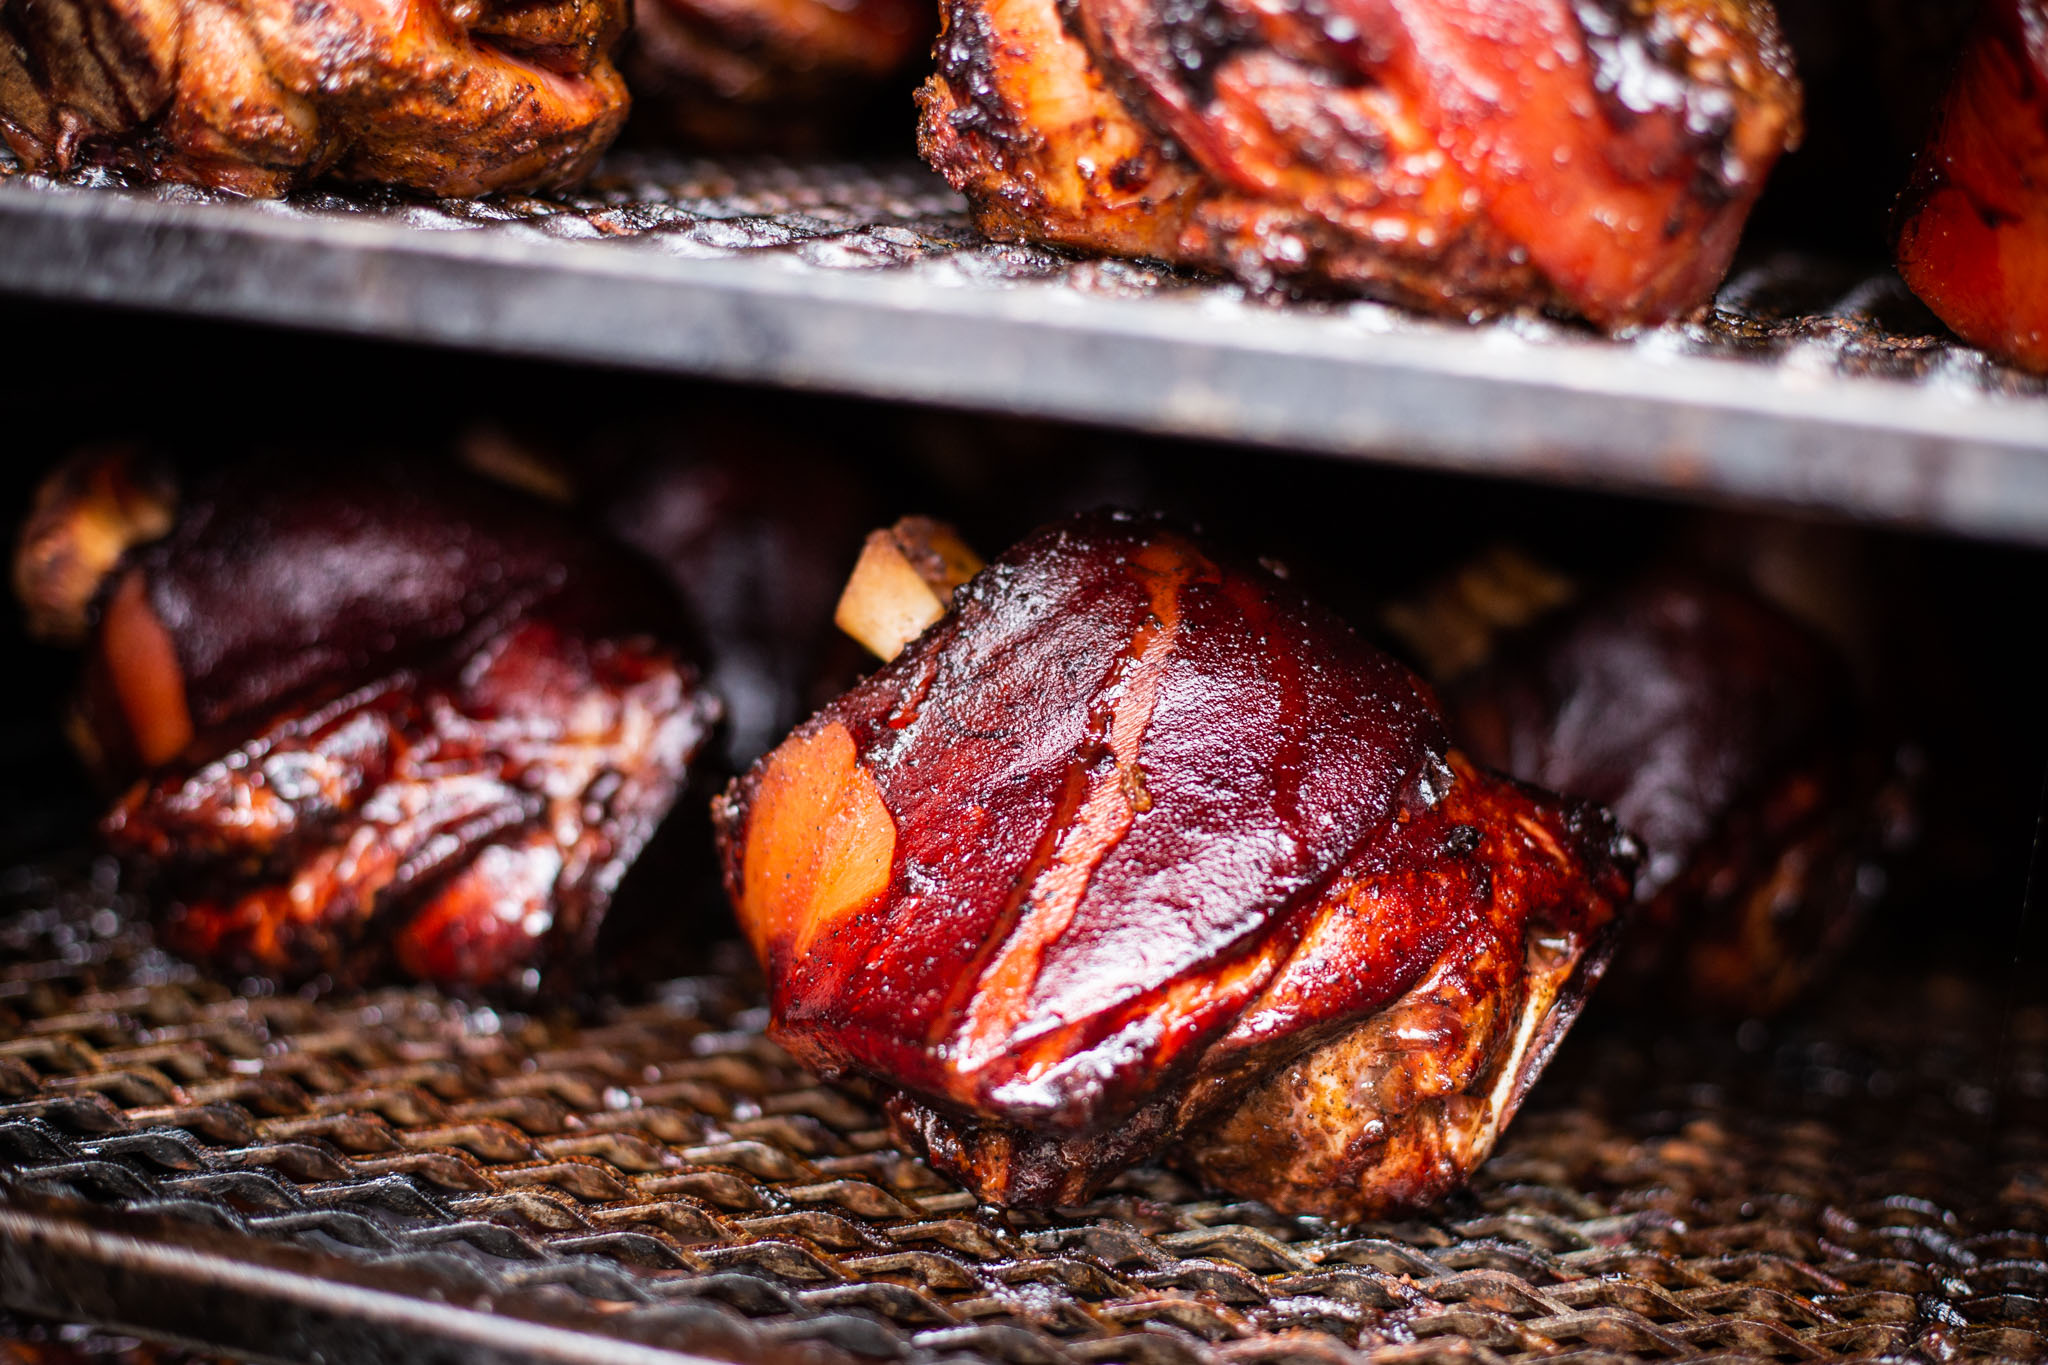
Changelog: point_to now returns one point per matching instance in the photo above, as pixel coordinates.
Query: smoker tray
(397, 1176)
(1806, 387)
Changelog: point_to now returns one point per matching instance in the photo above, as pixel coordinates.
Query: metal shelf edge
(1575, 410)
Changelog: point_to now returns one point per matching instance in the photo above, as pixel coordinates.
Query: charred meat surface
(1593, 156)
(790, 76)
(1129, 837)
(1973, 224)
(1723, 734)
(259, 96)
(387, 719)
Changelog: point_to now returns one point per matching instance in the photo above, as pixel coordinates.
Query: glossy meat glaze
(384, 718)
(1129, 830)
(1597, 157)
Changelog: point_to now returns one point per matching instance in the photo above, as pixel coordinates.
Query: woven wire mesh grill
(1873, 1182)
(1790, 310)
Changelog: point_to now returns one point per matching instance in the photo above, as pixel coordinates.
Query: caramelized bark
(1599, 158)
(1973, 224)
(1723, 735)
(902, 583)
(258, 96)
(388, 718)
(1126, 829)
(1399, 1110)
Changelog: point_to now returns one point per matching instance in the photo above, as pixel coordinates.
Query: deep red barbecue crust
(1130, 825)
(1973, 224)
(427, 724)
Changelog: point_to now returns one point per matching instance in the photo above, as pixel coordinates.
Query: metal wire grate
(1814, 314)
(655, 1174)
(1809, 384)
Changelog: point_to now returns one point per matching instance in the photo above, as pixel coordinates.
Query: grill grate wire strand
(1870, 1182)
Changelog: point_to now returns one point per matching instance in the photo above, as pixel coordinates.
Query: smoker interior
(304, 1177)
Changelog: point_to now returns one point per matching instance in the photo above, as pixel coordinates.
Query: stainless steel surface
(1802, 389)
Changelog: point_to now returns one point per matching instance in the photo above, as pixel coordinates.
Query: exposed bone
(92, 509)
(903, 582)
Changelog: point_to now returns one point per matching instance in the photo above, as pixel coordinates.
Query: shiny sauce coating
(1115, 769)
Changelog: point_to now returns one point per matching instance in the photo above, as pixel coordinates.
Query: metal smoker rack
(1807, 386)
(399, 1175)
